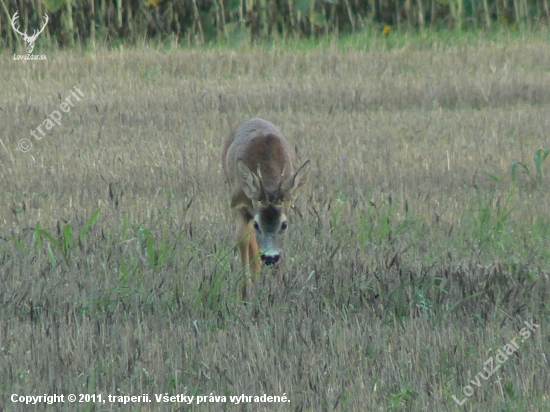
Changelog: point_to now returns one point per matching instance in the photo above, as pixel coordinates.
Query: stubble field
(417, 251)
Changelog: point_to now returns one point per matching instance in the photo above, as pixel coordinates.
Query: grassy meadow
(416, 252)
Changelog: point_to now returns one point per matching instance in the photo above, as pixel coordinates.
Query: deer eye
(284, 225)
(256, 226)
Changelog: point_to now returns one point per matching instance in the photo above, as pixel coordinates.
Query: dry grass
(414, 253)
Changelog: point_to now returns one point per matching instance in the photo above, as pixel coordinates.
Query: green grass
(418, 247)
(370, 39)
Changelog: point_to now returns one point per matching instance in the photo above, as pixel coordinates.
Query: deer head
(270, 208)
(28, 39)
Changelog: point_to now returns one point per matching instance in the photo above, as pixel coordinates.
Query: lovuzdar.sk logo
(29, 40)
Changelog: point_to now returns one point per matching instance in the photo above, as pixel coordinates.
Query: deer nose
(270, 260)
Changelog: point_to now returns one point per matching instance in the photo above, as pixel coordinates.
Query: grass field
(417, 251)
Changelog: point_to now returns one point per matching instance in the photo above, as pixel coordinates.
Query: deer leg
(242, 236)
(254, 256)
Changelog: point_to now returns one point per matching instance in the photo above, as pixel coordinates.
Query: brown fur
(265, 187)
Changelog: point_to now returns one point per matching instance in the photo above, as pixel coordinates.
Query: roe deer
(259, 166)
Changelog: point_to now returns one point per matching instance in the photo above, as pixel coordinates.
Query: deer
(28, 39)
(258, 163)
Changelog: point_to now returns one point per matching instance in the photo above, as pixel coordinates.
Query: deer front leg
(242, 236)
(254, 256)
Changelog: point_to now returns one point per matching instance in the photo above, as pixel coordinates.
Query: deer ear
(250, 183)
(296, 181)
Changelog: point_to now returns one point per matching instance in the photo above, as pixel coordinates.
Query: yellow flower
(386, 29)
(152, 3)
(504, 18)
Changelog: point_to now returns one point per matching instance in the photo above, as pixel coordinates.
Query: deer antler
(15, 16)
(35, 34)
(279, 194)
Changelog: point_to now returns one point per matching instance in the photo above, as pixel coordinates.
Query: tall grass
(200, 21)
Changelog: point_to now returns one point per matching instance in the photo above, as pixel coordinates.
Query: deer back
(264, 150)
